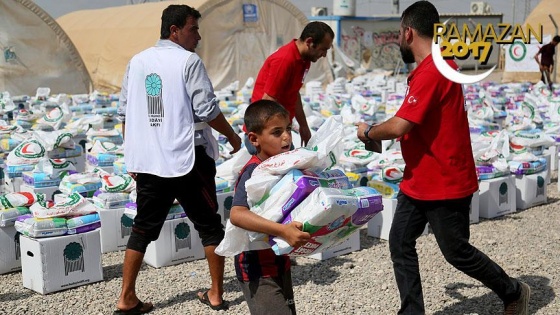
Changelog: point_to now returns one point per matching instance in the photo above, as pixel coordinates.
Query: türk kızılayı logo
(451, 42)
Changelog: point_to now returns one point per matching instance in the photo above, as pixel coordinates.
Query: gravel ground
(526, 244)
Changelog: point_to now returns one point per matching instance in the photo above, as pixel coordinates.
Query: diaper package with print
(291, 190)
(36, 227)
(330, 216)
(84, 223)
(9, 216)
(110, 200)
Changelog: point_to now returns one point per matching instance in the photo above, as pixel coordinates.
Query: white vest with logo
(159, 129)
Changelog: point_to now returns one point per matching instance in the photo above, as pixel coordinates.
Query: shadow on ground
(491, 304)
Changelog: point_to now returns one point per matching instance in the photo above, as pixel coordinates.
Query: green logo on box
(503, 189)
(540, 181)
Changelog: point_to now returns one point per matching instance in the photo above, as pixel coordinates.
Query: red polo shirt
(437, 150)
(282, 76)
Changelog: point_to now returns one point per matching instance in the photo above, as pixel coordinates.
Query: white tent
(37, 53)
(236, 38)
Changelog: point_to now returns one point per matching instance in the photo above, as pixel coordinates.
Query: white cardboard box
(350, 245)
(380, 225)
(474, 213)
(530, 190)
(178, 242)
(224, 205)
(50, 192)
(58, 263)
(497, 196)
(10, 259)
(548, 169)
(115, 229)
(553, 151)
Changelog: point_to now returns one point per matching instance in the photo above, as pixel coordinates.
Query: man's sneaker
(521, 305)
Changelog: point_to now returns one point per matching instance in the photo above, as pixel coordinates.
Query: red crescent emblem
(24, 149)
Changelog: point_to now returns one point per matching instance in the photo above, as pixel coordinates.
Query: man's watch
(366, 133)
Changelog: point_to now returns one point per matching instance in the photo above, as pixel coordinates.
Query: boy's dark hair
(556, 39)
(421, 16)
(176, 14)
(317, 31)
(259, 112)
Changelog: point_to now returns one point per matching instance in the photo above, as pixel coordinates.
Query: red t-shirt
(437, 150)
(282, 76)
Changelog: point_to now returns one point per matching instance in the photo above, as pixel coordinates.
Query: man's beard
(406, 54)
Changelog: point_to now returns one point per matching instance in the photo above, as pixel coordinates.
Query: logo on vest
(155, 100)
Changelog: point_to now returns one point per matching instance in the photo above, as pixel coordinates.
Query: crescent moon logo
(450, 73)
(24, 149)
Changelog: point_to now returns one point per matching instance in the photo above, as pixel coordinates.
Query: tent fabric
(539, 15)
(232, 48)
(36, 52)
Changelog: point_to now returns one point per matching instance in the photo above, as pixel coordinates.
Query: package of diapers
(9, 216)
(84, 223)
(35, 227)
(330, 216)
(110, 200)
(291, 190)
(84, 183)
(525, 168)
(175, 212)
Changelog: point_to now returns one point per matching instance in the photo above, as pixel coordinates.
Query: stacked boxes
(178, 242)
(58, 263)
(350, 245)
(380, 225)
(530, 190)
(497, 196)
(10, 259)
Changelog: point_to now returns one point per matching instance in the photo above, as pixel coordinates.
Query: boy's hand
(294, 236)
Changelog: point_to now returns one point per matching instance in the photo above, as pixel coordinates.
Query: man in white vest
(168, 109)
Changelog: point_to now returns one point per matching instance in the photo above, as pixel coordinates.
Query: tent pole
(555, 65)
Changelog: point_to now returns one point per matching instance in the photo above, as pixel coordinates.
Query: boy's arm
(243, 217)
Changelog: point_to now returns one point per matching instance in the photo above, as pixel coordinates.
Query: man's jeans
(449, 220)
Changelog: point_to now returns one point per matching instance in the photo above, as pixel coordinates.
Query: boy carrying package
(260, 272)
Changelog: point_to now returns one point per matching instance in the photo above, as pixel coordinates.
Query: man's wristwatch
(366, 133)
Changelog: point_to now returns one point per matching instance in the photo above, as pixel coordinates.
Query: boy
(265, 278)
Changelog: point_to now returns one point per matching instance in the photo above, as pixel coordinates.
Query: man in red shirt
(440, 175)
(546, 61)
(283, 73)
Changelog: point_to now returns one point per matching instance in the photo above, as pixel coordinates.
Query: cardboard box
(350, 245)
(548, 170)
(380, 225)
(50, 192)
(115, 229)
(58, 263)
(497, 196)
(224, 205)
(553, 152)
(530, 190)
(474, 213)
(178, 242)
(10, 259)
